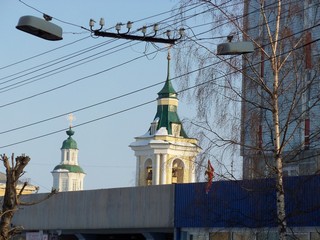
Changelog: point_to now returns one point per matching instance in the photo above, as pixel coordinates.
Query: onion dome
(69, 143)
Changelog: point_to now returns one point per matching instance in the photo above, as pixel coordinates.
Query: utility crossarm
(134, 37)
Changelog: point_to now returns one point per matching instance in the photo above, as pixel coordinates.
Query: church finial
(168, 58)
(168, 90)
(71, 118)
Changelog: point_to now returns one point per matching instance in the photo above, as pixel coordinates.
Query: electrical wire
(83, 108)
(64, 68)
(22, 83)
(250, 13)
(85, 51)
(46, 65)
(46, 52)
(151, 101)
(95, 74)
(72, 82)
(30, 80)
(135, 21)
(43, 53)
(54, 62)
(65, 22)
(79, 125)
(75, 81)
(139, 20)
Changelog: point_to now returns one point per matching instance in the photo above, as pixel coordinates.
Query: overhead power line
(186, 10)
(314, 26)
(72, 82)
(52, 63)
(151, 101)
(43, 53)
(108, 69)
(193, 5)
(46, 65)
(187, 17)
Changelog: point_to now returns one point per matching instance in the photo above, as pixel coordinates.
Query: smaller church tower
(68, 175)
(165, 154)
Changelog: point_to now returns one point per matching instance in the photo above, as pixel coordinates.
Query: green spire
(166, 112)
(69, 143)
(167, 91)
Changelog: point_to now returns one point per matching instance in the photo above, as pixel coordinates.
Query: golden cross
(71, 118)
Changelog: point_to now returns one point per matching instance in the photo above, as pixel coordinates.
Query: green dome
(70, 168)
(69, 143)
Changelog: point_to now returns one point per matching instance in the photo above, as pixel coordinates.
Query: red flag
(210, 175)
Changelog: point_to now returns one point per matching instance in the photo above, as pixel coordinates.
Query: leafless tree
(11, 199)
(278, 97)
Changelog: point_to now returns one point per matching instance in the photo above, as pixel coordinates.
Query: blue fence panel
(247, 203)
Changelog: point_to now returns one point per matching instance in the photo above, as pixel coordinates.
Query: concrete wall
(120, 208)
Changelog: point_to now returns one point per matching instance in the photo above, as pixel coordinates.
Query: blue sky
(103, 145)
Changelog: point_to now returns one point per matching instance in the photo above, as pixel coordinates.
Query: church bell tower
(165, 154)
(68, 175)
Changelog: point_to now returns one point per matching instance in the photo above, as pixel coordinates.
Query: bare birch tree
(278, 96)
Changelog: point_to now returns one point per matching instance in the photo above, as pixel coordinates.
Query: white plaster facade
(169, 159)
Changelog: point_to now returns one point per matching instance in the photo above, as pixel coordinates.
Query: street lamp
(235, 48)
(40, 27)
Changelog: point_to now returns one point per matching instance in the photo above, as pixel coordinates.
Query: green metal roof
(167, 91)
(166, 117)
(69, 143)
(70, 168)
(167, 114)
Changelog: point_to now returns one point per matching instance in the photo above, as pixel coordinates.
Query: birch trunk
(281, 214)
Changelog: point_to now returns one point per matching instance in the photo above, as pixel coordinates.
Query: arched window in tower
(68, 155)
(177, 171)
(148, 172)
